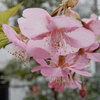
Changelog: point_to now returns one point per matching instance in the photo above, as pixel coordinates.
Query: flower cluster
(63, 45)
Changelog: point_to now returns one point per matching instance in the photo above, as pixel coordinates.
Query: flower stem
(55, 95)
(55, 11)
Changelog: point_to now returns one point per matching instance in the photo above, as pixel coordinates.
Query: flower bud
(70, 3)
(83, 91)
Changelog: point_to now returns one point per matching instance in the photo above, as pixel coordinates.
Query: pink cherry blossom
(89, 20)
(70, 81)
(95, 27)
(59, 31)
(61, 69)
(13, 36)
(93, 24)
(43, 44)
(58, 86)
(85, 54)
(61, 74)
(22, 45)
(88, 53)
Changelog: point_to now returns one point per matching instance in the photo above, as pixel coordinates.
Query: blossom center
(81, 51)
(61, 60)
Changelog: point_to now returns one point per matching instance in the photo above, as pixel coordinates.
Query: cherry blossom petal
(92, 47)
(78, 84)
(51, 84)
(52, 72)
(81, 72)
(36, 68)
(37, 49)
(13, 36)
(95, 27)
(40, 61)
(73, 42)
(59, 88)
(86, 20)
(38, 53)
(41, 36)
(93, 18)
(63, 22)
(79, 66)
(94, 56)
(71, 58)
(74, 84)
(82, 59)
(34, 22)
(81, 37)
(79, 59)
(56, 86)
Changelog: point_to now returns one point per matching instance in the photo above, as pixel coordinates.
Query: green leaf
(5, 15)
(16, 29)
(3, 40)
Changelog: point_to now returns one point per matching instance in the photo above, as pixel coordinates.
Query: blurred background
(16, 80)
